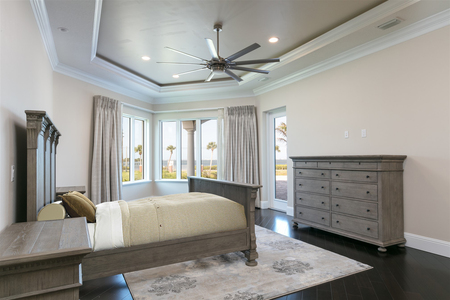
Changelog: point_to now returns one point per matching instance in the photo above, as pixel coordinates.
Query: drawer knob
(323, 174)
(323, 218)
(337, 204)
(367, 176)
(368, 228)
(368, 210)
(322, 187)
(337, 189)
(299, 198)
(368, 192)
(299, 184)
(323, 202)
(299, 172)
(337, 221)
(299, 212)
(337, 174)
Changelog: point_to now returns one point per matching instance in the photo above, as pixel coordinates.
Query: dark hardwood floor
(397, 274)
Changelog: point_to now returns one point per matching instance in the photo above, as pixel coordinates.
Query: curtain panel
(241, 161)
(106, 177)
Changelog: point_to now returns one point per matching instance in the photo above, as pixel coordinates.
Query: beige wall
(73, 115)
(401, 95)
(26, 83)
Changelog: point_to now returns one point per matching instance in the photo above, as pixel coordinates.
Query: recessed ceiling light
(63, 29)
(145, 57)
(176, 76)
(273, 39)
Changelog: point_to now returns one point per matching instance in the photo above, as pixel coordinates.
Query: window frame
(198, 147)
(145, 152)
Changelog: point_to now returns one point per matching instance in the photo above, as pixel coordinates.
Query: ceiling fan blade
(257, 61)
(190, 55)
(243, 52)
(249, 69)
(232, 75)
(211, 75)
(184, 73)
(179, 63)
(212, 49)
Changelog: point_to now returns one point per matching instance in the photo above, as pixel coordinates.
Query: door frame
(271, 115)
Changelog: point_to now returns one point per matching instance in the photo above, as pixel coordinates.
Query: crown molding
(412, 31)
(97, 61)
(381, 11)
(96, 28)
(86, 77)
(40, 13)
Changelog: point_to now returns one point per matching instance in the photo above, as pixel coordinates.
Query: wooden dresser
(42, 260)
(360, 197)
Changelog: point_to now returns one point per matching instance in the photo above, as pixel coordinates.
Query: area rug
(285, 265)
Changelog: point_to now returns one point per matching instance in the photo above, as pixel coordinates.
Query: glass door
(278, 159)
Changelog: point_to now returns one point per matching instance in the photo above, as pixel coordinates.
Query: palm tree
(211, 146)
(170, 148)
(282, 130)
(138, 149)
(277, 148)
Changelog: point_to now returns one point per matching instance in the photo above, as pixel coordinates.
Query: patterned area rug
(285, 265)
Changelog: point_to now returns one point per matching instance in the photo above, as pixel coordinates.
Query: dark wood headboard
(42, 139)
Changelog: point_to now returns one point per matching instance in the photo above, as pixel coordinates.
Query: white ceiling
(106, 39)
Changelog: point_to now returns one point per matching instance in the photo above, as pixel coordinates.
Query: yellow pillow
(78, 205)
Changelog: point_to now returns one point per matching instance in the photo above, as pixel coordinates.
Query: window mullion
(198, 143)
(179, 154)
(131, 149)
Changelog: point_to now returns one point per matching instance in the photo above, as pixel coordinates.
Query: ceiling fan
(220, 65)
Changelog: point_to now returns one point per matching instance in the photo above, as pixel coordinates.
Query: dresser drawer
(311, 200)
(314, 186)
(312, 173)
(355, 190)
(363, 227)
(305, 164)
(354, 207)
(312, 215)
(355, 175)
(347, 165)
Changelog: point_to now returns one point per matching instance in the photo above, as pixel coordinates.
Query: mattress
(122, 224)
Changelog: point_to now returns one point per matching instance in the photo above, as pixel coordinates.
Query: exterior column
(189, 126)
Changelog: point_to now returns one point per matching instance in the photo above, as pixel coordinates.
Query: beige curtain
(241, 162)
(106, 179)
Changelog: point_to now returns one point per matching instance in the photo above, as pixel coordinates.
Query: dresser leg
(295, 224)
(382, 249)
(401, 245)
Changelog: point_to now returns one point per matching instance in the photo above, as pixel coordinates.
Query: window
(134, 152)
(188, 146)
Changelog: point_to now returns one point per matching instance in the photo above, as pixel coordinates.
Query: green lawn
(126, 175)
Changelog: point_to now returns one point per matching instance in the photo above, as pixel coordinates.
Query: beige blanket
(176, 216)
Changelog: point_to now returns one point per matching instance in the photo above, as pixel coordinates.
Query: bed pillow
(78, 205)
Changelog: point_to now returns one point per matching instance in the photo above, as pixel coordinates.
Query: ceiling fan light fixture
(273, 39)
(145, 57)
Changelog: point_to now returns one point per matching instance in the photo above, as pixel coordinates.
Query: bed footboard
(242, 193)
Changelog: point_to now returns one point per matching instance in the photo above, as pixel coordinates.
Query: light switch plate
(363, 133)
(346, 134)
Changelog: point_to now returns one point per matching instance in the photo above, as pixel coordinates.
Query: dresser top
(32, 241)
(350, 157)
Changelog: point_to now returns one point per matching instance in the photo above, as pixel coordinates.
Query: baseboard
(290, 211)
(427, 244)
(264, 204)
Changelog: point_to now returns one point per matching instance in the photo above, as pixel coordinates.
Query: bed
(42, 141)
